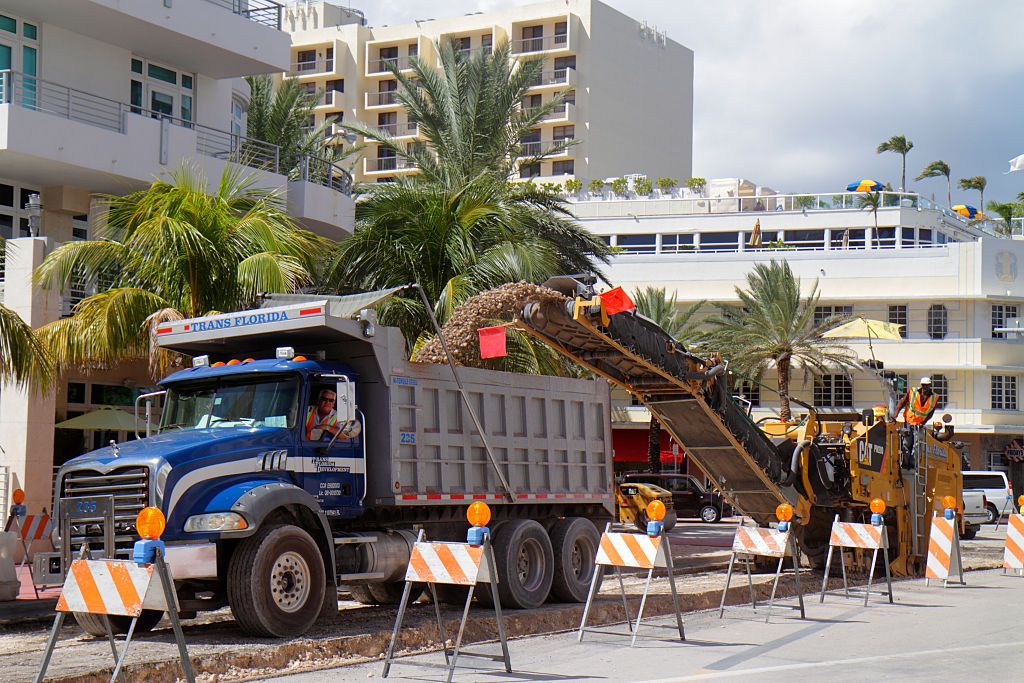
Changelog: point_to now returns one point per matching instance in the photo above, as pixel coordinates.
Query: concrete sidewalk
(29, 607)
(930, 633)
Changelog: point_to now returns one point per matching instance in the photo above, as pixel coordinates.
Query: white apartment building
(952, 284)
(103, 96)
(624, 79)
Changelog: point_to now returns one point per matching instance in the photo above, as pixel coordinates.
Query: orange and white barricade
(458, 564)
(1013, 551)
(750, 542)
(871, 537)
(29, 528)
(632, 551)
(122, 588)
(943, 550)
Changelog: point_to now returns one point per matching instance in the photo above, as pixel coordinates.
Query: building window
(749, 391)
(563, 167)
(337, 85)
(637, 244)
(996, 462)
(162, 91)
(414, 49)
(529, 171)
(674, 244)
(823, 313)
(76, 392)
(462, 45)
(112, 395)
(1004, 392)
(719, 241)
(898, 316)
(1000, 314)
(561, 32)
(940, 385)
(487, 43)
(560, 133)
(938, 321)
(833, 391)
(237, 116)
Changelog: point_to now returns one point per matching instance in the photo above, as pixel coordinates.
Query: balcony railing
(565, 110)
(36, 94)
(381, 99)
(535, 149)
(387, 65)
(542, 44)
(314, 169)
(389, 164)
(266, 12)
(311, 66)
(556, 77)
(397, 130)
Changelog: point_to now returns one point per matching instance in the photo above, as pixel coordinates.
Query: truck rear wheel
(525, 559)
(276, 582)
(93, 623)
(574, 541)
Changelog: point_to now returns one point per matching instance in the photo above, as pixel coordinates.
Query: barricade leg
(775, 585)
(458, 638)
(750, 582)
(398, 623)
(959, 557)
(50, 645)
(643, 601)
(489, 553)
(888, 573)
(172, 614)
(871, 574)
(842, 563)
(728, 580)
(598, 573)
(113, 643)
(124, 652)
(796, 573)
(824, 580)
(24, 555)
(672, 586)
(441, 635)
(625, 605)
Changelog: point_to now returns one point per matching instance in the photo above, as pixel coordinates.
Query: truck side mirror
(346, 404)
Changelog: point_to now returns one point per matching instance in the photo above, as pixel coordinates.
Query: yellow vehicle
(632, 499)
(824, 465)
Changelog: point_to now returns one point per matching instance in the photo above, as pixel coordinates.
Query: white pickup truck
(975, 512)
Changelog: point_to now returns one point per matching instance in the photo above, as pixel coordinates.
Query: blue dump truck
(301, 450)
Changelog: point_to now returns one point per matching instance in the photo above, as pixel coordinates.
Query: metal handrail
(266, 12)
(381, 98)
(314, 169)
(554, 42)
(386, 64)
(313, 66)
(389, 164)
(555, 77)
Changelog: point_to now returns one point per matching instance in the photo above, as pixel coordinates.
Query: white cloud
(796, 94)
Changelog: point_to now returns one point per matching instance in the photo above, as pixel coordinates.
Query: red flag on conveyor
(492, 341)
(616, 301)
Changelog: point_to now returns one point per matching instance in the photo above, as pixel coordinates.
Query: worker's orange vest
(917, 412)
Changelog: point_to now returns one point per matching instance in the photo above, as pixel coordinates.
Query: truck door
(333, 466)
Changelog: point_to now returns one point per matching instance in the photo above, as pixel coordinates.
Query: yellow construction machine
(824, 465)
(632, 499)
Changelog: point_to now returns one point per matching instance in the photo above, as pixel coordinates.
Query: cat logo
(1006, 266)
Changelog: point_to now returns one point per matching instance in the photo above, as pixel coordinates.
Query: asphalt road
(930, 633)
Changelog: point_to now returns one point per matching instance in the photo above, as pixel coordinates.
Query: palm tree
(682, 324)
(281, 115)
(934, 170)
(1007, 211)
(168, 252)
(872, 201)
(470, 115)
(23, 359)
(978, 183)
(456, 243)
(900, 145)
(774, 327)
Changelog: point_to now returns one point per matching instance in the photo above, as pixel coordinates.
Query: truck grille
(129, 487)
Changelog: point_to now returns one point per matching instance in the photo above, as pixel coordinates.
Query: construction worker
(918, 405)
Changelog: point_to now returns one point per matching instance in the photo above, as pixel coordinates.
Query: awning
(338, 306)
(109, 419)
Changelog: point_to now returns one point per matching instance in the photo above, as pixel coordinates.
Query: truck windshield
(232, 402)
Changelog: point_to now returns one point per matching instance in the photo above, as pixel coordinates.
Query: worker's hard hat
(926, 380)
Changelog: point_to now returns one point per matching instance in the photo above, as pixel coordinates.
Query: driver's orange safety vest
(917, 411)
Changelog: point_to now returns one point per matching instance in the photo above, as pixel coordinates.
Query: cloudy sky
(796, 94)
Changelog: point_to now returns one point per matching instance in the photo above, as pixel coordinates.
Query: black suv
(689, 496)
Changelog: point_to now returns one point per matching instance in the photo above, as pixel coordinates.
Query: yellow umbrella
(861, 327)
(755, 236)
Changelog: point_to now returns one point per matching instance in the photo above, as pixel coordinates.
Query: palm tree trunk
(949, 194)
(782, 367)
(903, 175)
(654, 445)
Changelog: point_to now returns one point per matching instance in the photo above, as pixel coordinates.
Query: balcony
(311, 67)
(401, 130)
(331, 99)
(388, 165)
(536, 149)
(217, 38)
(388, 98)
(320, 197)
(543, 44)
(558, 78)
(387, 65)
(566, 111)
(51, 134)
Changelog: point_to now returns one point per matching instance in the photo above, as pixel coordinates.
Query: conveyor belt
(682, 390)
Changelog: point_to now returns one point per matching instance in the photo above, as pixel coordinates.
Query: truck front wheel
(276, 582)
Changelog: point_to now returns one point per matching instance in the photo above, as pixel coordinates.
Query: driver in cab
(322, 419)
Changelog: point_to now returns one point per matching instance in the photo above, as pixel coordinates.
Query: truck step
(356, 578)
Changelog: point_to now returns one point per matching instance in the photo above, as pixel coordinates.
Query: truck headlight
(216, 521)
